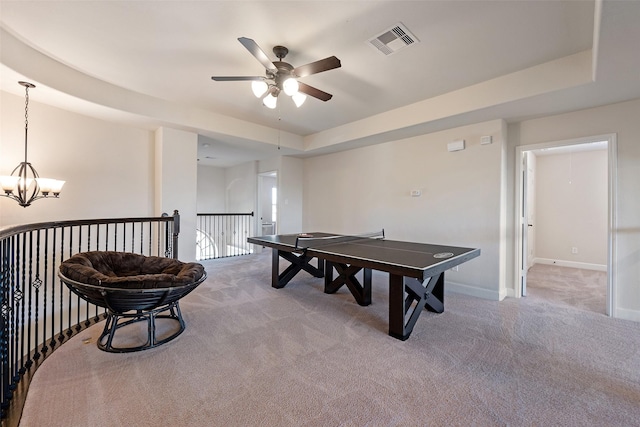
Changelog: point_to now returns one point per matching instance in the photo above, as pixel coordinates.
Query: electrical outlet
(574, 250)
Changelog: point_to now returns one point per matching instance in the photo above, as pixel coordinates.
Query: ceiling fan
(282, 76)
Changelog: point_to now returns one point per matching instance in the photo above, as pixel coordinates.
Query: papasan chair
(132, 288)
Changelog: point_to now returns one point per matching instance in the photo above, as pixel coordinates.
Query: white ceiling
(149, 63)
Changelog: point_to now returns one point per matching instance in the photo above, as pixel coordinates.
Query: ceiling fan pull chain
(279, 118)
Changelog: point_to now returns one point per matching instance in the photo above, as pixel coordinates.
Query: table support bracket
(297, 263)
(347, 276)
(408, 297)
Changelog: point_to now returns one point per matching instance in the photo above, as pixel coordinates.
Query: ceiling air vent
(393, 39)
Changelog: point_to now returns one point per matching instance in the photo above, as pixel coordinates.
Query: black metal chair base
(116, 321)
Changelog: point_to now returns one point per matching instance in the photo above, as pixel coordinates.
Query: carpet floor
(579, 288)
(253, 355)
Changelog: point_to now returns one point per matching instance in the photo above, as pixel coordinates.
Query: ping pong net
(305, 241)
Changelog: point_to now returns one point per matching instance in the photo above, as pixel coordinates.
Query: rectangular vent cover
(393, 39)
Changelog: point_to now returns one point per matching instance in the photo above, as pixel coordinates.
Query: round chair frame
(126, 306)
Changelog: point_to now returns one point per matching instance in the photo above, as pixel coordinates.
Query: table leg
(347, 276)
(408, 297)
(297, 263)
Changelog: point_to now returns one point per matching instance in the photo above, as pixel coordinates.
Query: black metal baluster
(150, 236)
(79, 240)
(36, 284)
(61, 334)
(45, 273)
(4, 326)
(69, 330)
(21, 312)
(219, 236)
(97, 236)
(28, 298)
(166, 240)
(13, 313)
(106, 239)
(52, 342)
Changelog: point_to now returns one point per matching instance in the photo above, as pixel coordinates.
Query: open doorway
(268, 203)
(565, 220)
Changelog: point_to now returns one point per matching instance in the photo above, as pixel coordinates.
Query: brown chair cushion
(129, 270)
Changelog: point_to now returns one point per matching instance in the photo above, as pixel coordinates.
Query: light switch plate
(456, 145)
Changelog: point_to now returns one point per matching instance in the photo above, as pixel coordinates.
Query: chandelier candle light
(24, 185)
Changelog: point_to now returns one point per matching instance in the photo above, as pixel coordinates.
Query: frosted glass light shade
(290, 86)
(259, 87)
(45, 184)
(299, 98)
(48, 185)
(8, 183)
(56, 187)
(270, 101)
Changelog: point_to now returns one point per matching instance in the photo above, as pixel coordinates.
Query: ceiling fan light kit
(270, 101)
(259, 88)
(290, 86)
(282, 76)
(299, 98)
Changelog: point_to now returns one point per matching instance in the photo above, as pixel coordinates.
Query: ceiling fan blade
(312, 91)
(259, 54)
(236, 78)
(325, 64)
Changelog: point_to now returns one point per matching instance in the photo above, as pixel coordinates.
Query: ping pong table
(416, 270)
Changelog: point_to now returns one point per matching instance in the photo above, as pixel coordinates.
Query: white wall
(290, 195)
(622, 119)
(241, 184)
(368, 189)
(108, 167)
(572, 208)
(176, 153)
(211, 189)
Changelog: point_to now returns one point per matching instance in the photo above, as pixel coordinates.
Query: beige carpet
(256, 356)
(579, 288)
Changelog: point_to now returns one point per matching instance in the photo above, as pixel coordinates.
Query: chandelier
(24, 185)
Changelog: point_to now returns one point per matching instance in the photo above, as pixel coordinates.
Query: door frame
(261, 177)
(525, 207)
(612, 163)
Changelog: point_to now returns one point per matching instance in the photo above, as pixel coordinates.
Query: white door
(267, 203)
(524, 224)
(530, 197)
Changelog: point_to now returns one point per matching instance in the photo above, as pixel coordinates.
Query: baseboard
(572, 264)
(473, 291)
(627, 314)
